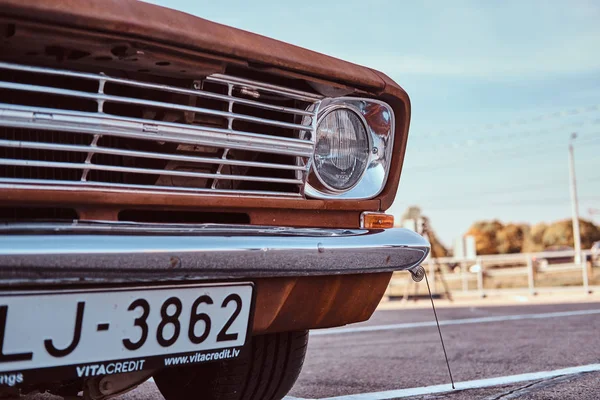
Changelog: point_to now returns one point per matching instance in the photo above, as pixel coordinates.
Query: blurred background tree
(414, 213)
(493, 237)
(511, 237)
(561, 234)
(485, 233)
(533, 241)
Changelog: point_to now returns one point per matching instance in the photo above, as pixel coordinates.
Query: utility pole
(574, 202)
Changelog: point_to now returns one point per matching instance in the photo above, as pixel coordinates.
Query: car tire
(267, 372)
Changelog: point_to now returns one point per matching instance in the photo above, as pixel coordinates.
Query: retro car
(184, 200)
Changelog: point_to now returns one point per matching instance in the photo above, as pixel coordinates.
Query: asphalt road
(482, 343)
(411, 357)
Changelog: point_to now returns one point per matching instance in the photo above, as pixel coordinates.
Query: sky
(497, 88)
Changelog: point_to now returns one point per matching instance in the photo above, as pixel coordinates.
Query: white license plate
(85, 333)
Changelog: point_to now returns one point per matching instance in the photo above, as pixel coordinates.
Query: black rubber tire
(267, 372)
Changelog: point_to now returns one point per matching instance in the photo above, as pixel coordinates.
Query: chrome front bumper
(111, 252)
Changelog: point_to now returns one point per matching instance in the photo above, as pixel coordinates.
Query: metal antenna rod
(439, 330)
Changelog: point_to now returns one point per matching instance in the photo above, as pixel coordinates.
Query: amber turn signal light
(373, 220)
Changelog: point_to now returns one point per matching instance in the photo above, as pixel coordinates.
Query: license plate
(85, 333)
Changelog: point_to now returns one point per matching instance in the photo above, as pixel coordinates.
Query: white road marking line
(475, 384)
(481, 383)
(411, 325)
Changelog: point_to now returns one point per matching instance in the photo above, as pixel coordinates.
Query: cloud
(463, 38)
(488, 40)
(539, 50)
(570, 59)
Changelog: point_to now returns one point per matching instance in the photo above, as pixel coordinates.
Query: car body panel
(179, 39)
(169, 43)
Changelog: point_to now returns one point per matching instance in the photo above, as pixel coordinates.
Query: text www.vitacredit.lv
(201, 357)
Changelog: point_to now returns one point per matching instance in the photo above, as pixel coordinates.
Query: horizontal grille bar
(292, 93)
(95, 123)
(103, 98)
(7, 183)
(143, 154)
(217, 134)
(82, 166)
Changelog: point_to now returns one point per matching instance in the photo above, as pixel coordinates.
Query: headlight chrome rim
(379, 119)
(322, 115)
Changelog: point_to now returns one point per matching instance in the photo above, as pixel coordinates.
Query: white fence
(471, 275)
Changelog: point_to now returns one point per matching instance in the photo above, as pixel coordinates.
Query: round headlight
(341, 149)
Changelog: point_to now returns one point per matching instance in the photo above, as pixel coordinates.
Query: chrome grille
(220, 134)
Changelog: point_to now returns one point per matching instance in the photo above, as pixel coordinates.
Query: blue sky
(496, 89)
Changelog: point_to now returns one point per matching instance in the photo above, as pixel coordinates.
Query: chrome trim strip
(172, 89)
(100, 123)
(130, 252)
(145, 154)
(149, 171)
(106, 98)
(121, 188)
(108, 125)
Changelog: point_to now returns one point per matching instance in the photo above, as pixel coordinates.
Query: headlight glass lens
(341, 149)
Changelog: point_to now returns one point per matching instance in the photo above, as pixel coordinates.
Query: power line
(482, 140)
(513, 203)
(520, 121)
(506, 190)
(464, 201)
(512, 190)
(527, 188)
(460, 203)
(499, 155)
